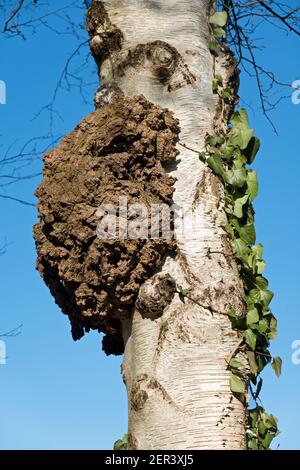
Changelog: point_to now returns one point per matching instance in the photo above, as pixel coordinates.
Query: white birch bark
(175, 366)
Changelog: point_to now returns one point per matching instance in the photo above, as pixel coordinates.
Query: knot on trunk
(162, 60)
(112, 162)
(105, 36)
(155, 295)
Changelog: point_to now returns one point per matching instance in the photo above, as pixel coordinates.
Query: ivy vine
(229, 157)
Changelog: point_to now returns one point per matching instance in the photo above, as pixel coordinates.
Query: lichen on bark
(117, 151)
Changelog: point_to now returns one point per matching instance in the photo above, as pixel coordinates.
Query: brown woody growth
(119, 150)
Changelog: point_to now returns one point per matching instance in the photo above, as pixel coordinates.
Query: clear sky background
(57, 394)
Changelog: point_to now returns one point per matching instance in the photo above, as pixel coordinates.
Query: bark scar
(141, 388)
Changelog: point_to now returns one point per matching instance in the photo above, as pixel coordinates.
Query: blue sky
(57, 394)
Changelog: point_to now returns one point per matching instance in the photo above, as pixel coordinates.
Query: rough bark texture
(174, 367)
(118, 151)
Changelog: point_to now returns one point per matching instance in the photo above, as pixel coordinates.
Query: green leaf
(247, 233)
(213, 44)
(260, 266)
(226, 93)
(271, 421)
(235, 364)
(261, 282)
(216, 164)
(262, 428)
(252, 184)
(214, 140)
(121, 444)
(219, 18)
(262, 326)
(252, 149)
(240, 137)
(266, 297)
(229, 229)
(252, 444)
(228, 151)
(219, 33)
(214, 85)
(252, 316)
(237, 385)
(252, 362)
(255, 295)
(246, 136)
(240, 247)
(236, 178)
(258, 250)
(266, 441)
(250, 338)
(240, 119)
(272, 328)
(232, 313)
(202, 156)
(277, 365)
(238, 206)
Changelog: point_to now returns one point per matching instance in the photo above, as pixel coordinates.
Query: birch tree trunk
(174, 367)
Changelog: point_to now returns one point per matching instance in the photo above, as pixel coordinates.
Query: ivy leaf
(255, 296)
(252, 184)
(277, 365)
(219, 18)
(260, 266)
(252, 316)
(252, 149)
(219, 33)
(212, 45)
(240, 247)
(258, 250)
(228, 151)
(247, 233)
(266, 441)
(240, 119)
(252, 362)
(246, 136)
(214, 85)
(250, 338)
(252, 444)
(121, 444)
(236, 384)
(261, 282)
(215, 140)
(262, 326)
(238, 206)
(266, 297)
(229, 229)
(236, 178)
(272, 328)
(240, 137)
(232, 313)
(271, 422)
(225, 94)
(216, 164)
(220, 80)
(235, 364)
